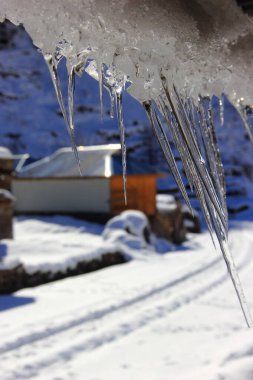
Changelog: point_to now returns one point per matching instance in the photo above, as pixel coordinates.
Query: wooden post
(6, 198)
(6, 167)
(6, 213)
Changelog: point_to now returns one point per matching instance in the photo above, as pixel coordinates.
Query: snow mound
(166, 203)
(130, 228)
(130, 231)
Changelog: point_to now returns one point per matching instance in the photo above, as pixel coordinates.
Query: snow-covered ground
(158, 317)
(51, 244)
(58, 243)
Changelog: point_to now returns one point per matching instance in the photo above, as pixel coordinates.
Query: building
(54, 185)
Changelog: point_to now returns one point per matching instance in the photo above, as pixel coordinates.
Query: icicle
(209, 141)
(100, 70)
(241, 108)
(193, 133)
(221, 104)
(177, 140)
(206, 176)
(119, 109)
(111, 105)
(163, 141)
(236, 282)
(52, 65)
(108, 82)
(218, 163)
(71, 90)
(114, 82)
(195, 156)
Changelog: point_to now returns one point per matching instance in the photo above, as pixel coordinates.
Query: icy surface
(171, 56)
(193, 43)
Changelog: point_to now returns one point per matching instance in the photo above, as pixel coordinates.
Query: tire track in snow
(118, 331)
(111, 331)
(98, 314)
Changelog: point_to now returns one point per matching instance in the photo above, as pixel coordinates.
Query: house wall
(63, 195)
(141, 193)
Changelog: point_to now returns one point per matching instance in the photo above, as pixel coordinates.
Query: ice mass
(172, 56)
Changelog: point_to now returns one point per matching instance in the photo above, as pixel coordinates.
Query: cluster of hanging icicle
(191, 127)
(193, 133)
(109, 79)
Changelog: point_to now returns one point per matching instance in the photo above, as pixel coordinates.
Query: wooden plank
(141, 193)
(6, 165)
(6, 231)
(5, 182)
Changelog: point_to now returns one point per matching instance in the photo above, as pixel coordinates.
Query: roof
(5, 152)
(95, 161)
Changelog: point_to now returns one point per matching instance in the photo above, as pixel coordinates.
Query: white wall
(73, 195)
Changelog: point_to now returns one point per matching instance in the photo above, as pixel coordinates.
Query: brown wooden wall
(6, 166)
(141, 193)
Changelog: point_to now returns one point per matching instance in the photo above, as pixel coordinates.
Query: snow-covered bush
(131, 228)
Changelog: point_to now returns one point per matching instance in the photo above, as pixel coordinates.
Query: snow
(165, 203)
(133, 221)
(128, 228)
(55, 244)
(172, 58)
(95, 161)
(158, 317)
(5, 194)
(195, 45)
(5, 153)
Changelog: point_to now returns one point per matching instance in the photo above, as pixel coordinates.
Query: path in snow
(180, 306)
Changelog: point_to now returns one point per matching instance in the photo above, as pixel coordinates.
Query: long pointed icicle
(177, 141)
(52, 65)
(221, 234)
(236, 282)
(163, 141)
(119, 110)
(100, 70)
(190, 171)
(196, 157)
(206, 177)
(221, 104)
(71, 90)
(243, 113)
(212, 152)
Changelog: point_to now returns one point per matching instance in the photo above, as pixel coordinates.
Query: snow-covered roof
(5, 194)
(5, 153)
(95, 161)
(166, 203)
